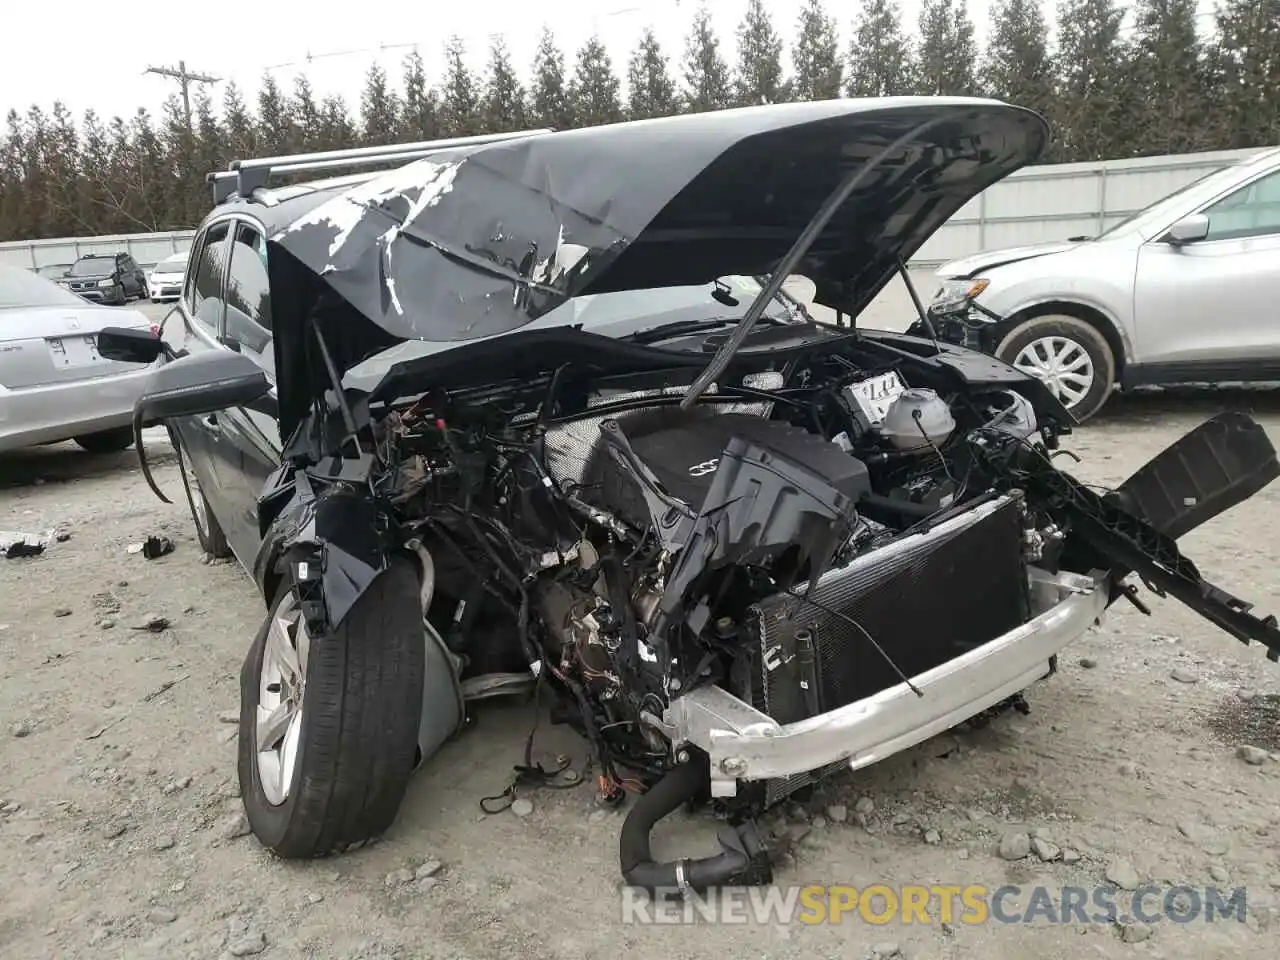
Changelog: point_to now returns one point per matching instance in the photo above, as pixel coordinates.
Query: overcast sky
(66, 51)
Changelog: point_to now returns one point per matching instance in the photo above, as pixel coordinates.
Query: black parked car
(531, 411)
(106, 278)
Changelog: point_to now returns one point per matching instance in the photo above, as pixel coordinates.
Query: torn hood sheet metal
(480, 241)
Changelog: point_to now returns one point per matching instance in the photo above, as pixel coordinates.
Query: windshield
(93, 267)
(629, 312)
(174, 264)
(22, 288)
(1224, 172)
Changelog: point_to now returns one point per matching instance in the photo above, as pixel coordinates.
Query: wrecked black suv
(536, 411)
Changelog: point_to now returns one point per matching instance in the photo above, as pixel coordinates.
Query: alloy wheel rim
(277, 728)
(1062, 364)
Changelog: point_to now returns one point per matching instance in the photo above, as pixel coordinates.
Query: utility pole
(185, 80)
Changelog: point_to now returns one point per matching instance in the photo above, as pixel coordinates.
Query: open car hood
(478, 241)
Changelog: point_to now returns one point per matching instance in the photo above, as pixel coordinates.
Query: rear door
(249, 439)
(1208, 308)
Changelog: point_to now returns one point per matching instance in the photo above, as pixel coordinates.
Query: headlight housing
(109, 282)
(955, 295)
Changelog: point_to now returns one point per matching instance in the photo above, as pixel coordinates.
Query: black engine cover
(683, 449)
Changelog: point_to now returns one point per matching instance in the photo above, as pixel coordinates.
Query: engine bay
(597, 533)
(822, 528)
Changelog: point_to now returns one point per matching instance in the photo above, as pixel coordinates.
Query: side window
(248, 297)
(1252, 211)
(204, 283)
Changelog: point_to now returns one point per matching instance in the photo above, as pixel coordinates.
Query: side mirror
(129, 345)
(200, 383)
(191, 385)
(1188, 230)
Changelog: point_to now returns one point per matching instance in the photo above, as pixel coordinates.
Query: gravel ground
(119, 809)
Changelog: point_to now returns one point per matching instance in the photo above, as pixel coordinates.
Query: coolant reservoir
(918, 417)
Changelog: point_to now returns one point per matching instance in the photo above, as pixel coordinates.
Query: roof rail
(243, 177)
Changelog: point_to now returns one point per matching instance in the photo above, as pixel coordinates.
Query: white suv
(1185, 291)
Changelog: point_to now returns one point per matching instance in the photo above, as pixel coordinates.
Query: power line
(185, 79)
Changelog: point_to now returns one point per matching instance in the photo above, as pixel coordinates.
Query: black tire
(208, 531)
(358, 736)
(1084, 336)
(143, 292)
(106, 441)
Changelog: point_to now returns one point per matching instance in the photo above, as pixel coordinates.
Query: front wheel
(329, 725)
(1071, 358)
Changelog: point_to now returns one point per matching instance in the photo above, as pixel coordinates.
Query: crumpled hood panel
(482, 240)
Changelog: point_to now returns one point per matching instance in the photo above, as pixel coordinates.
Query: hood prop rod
(348, 418)
(916, 302)
(852, 181)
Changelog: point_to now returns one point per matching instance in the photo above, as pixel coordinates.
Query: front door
(1208, 309)
(249, 439)
(194, 328)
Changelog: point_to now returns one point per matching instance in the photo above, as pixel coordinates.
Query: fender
(324, 517)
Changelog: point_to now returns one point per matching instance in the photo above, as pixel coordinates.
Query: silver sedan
(53, 384)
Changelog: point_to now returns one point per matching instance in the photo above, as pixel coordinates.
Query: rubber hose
(639, 869)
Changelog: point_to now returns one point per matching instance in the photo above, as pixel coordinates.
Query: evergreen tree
(816, 55)
(879, 55)
(96, 164)
(61, 164)
(594, 92)
(210, 149)
(379, 108)
(242, 137)
(651, 91)
(1245, 64)
(1167, 67)
(337, 131)
(151, 182)
(460, 95)
(504, 108)
(1090, 108)
(549, 104)
(1017, 67)
(178, 142)
(706, 75)
(35, 145)
(947, 56)
(305, 114)
(419, 120)
(275, 129)
(759, 75)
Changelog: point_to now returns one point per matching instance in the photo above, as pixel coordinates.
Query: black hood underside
(475, 242)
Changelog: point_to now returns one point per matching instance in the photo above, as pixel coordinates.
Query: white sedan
(53, 384)
(164, 282)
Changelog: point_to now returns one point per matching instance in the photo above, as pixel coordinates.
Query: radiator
(925, 598)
